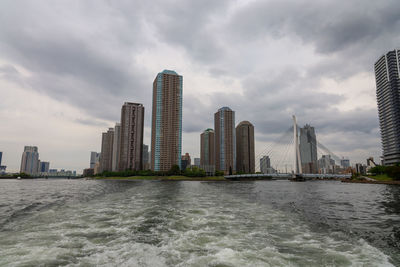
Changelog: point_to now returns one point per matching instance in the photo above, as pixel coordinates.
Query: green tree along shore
(386, 173)
(163, 178)
(173, 172)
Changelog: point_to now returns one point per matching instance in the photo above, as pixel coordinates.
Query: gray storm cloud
(94, 55)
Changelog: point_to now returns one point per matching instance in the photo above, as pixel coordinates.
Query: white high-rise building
(387, 76)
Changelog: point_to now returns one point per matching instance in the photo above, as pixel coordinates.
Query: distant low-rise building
(44, 166)
(96, 168)
(94, 158)
(3, 169)
(197, 162)
(361, 169)
(326, 164)
(88, 172)
(185, 161)
(265, 164)
(345, 163)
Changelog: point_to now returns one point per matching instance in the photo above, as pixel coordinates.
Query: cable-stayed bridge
(285, 158)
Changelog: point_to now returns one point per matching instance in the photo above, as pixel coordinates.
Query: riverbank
(363, 181)
(163, 178)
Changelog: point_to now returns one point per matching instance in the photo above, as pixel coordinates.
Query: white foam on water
(138, 229)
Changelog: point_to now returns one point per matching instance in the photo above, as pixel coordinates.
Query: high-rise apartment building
(245, 155)
(308, 149)
(207, 152)
(94, 158)
(166, 129)
(116, 147)
(225, 140)
(106, 150)
(387, 76)
(131, 147)
(30, 160)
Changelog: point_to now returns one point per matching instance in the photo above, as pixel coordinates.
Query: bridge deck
(287, 176)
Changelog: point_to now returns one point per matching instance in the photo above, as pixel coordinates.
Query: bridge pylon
(297, 158)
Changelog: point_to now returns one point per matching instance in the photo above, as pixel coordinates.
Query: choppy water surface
(153, 223)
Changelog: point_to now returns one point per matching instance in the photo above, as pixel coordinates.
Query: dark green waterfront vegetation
(192, 172)
(386, 173)
(162, 178)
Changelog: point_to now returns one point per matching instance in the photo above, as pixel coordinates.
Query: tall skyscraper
(131, 147)
(387, 76)
(166, 129)
(94, 158)
(116, 147)
(225, 140)
(30, 160)
(106, 150)
(1, 156)
(308, 149)
(245, 155)
(207, 151)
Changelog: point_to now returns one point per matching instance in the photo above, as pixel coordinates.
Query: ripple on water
(180, 224)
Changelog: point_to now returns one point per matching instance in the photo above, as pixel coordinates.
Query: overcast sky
(66, 68)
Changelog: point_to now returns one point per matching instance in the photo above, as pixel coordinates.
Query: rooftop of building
(169, 72)
(224, 109)
(133, 104)
(245, 123)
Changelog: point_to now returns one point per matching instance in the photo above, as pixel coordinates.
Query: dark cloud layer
(85, 53)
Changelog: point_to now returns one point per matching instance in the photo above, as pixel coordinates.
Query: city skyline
(76, 87)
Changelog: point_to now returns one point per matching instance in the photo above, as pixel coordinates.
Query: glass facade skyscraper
(166, 130)
(387, 76)
(225, 140)
(308, 149)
